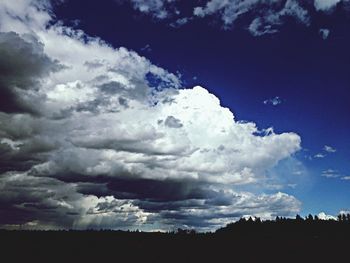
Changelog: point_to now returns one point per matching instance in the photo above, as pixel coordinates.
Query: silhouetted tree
(298, 218)
(309, 218)
(339, 217)
(343, 217)
(192, 232)
(348, 217)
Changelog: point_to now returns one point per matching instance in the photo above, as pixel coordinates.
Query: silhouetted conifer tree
(298, 218)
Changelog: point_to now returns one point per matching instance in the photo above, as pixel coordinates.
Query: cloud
(156, 8)
(53, 204)
(324, 216)
(146, 48)
(180, 22)
(260, 17)
(22, 64)
(243, 204)
(326, 5)
(112, 141)
(267, 15)
(179, 147)
(345, 178)
(320, 155)
(329, 149)
(274, 101)
(330, 173)
(324, 32)
(172, 122)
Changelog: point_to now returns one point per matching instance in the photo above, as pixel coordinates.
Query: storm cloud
(22, 64)
(88, 140)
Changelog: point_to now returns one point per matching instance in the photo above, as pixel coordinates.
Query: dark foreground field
(290, 241)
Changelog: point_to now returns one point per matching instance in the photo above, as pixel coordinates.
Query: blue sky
(310, 75)
(153, 115)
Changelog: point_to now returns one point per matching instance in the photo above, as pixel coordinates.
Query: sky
(159, 114)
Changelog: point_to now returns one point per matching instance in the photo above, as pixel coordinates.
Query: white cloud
(345, 178)
(169, 140)
(157, 8)
(325, 5)
(98, 118)
(260, 17)
(268, 15)
(324, 216)
(344, 212)
(146, 48)
(329, 149)
(320, 155)
(324, 32)
(330, 173)
(274, 101)
(180, 22)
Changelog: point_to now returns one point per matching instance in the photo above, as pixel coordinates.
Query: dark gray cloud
(27, 198)
(22, 64)
(172, 122)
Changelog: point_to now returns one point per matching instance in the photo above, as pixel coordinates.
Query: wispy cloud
(330, 173)
(329, 149)
(324, 32)
(326, 149)
(267, 15)
(180, 22)
(261, 17)
(319, 155)
(146, 48)
(273, 101)
(157, 8)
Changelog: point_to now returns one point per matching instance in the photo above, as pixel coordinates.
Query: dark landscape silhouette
(247, 240)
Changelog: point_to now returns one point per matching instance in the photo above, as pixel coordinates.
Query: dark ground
(288, 241)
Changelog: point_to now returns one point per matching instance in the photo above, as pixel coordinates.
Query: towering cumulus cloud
(97, 137)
